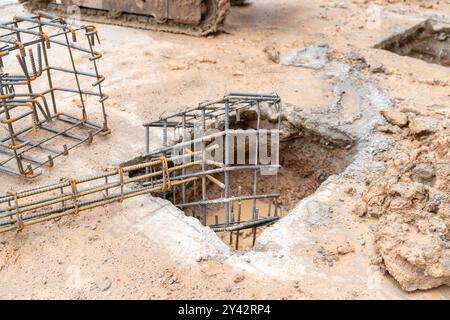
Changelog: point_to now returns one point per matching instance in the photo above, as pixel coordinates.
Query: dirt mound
(412, 201)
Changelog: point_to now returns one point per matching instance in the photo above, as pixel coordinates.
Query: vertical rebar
(203, 168)
(277, 162)
(238, 216)
(47, 68)
(255, 172)
(165, 138)
(165, 133)
(11, 130)
(255, 229)
(183, 171)
(23, 65)
(100, 90)
(147, 140)
(232, 219)
(175, 173)
(227, 162)
(147, 147)
(62, 202)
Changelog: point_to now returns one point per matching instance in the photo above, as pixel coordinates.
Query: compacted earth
(366, 137)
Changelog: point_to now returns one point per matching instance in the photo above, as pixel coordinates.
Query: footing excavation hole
(306, 160)
(428, 41)
(237, 165)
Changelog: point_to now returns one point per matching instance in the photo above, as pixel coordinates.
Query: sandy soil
(105, 254)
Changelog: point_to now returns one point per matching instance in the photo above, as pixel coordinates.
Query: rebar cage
(48, 72)
(220, 144)
(204, 154)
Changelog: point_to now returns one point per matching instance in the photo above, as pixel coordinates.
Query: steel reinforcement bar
(72, 195)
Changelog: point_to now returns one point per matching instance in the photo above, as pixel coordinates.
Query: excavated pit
(428, 41)
(306, 159)
(306, 162)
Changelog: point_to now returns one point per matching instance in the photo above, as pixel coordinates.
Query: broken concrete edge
(183, 238)
(430, 23)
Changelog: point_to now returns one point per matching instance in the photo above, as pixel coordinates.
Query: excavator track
(212, 20)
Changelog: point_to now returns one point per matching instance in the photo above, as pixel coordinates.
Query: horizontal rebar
(244, 225)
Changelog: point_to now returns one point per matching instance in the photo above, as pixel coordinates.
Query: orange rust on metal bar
(166, 186)
(19, 224)
(17, 147)
(122, 193)
(74, 33)
(21, 47)
(73, 185)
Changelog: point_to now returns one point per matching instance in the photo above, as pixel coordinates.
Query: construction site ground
(146, 249)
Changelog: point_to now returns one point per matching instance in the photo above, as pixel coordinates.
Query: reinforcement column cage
(36, 120)
(164, 172)
(192, 127)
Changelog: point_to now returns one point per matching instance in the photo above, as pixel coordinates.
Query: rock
(238, 73)
(423, 173)
(104, 284)
(390, 129)
(408, 190)
(375, 195)
(350, 190)
(344, 249)
(288, 131)
(272, 53)
(177, 66)
(355, 58)
(239, 279)
(395, 117)
(422, 126)
(360, 209)
(311, 57)
(416, 260)
(377, 68)
(442, 36)
(436, 199)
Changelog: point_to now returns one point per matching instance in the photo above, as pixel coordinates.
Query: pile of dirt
(411, 200)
